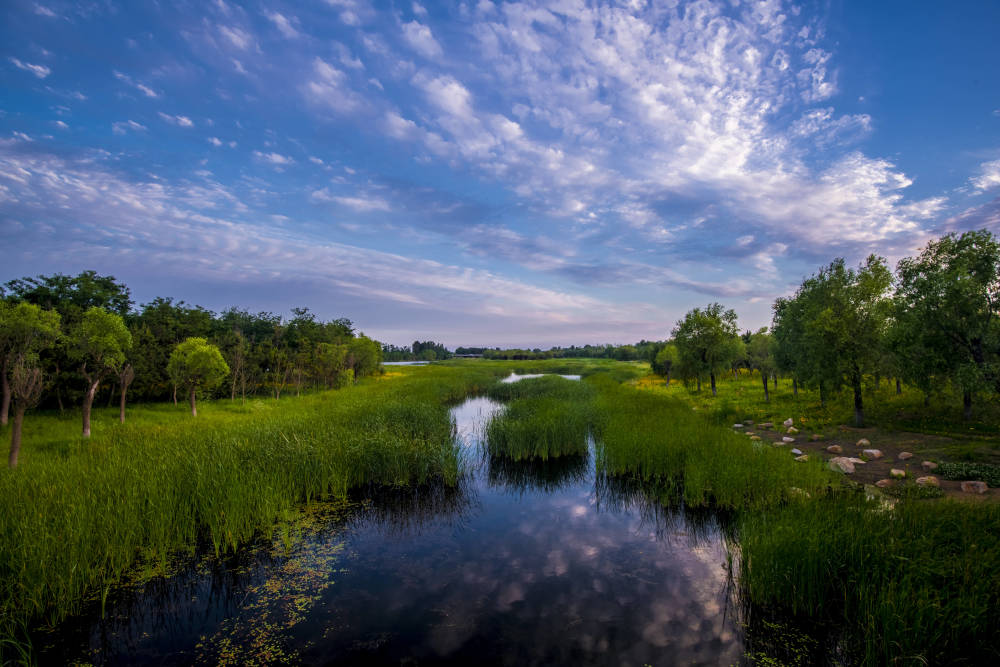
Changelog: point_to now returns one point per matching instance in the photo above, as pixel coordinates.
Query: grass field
(915, 581)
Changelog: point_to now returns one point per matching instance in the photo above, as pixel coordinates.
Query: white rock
(928, 480)
(788, 422)
(797, 452)
(841, 464)
(737, 425)
(864, 442)
(929, 465)
(793, 430)
(903, 456)
(974, 487)
(854, 459)
(897, 473)
(787, 439)
(873, 453)
(804, 457)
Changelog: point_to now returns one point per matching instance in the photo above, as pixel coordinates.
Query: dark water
(522, 563)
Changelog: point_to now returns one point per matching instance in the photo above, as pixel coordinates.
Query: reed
(911, 585)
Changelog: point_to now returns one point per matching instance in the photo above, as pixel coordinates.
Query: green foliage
(666, 360)
(546, 417)
(707, 341)
(912, 584)
(100, 341)
(964, 470)
(25, 329)
(197, 364)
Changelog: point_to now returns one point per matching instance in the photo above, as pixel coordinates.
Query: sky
(488, 173)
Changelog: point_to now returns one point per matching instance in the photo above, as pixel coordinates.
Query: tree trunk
(822, 395)
(194, 408)
(899, 387)
(121, 406)
(88, 403)
(735, 375)
(795, 387)
(775, 377)
(5, 405)
(699, 384)
(859, 409)
(711, 376)
(62, 408)
(967, 405)
(175, 394)
(767, 397)
(668, 378)
(15, 434)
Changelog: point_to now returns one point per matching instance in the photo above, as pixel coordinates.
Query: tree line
(933, 324)
(426, 350)
(79, 339)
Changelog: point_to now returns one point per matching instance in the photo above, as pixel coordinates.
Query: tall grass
(78, 516)
(913, 585)
(658, 438)
(545, 417)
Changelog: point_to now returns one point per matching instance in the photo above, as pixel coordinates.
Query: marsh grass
(912, 585)
(655, 437)
(79, 517)
(544, 418)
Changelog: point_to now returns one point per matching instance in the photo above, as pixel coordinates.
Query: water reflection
(547, 476)
(403, 511)
(514, 377)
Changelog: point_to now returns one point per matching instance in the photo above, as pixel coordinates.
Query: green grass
(656, 437)
(80, 516)
(913, 585)
(936, 431)
(544, 418)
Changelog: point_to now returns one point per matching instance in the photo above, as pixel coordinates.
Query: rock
(788, 422)
(815, 437)
(883, 483)
(766, 425)
(841, 464)
(897, 473)
(873, 453)
(864, 442)
(854, 459)
(797, 452)
(793, 430)
(748, 432)
(737, 425)
(974, 487)
(904, 456)
(835, 449)
(755, 438)
(748, 421)
(804, 457)
(928, 480)
(787, 439)
(928, 466)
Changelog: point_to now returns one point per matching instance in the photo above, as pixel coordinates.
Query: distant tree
(760, 356)
(364, 356)
(25, 329)
(196, 364)
(665, 362)
(707, 340)
(331, 361)
(948, 300)
(99, 342)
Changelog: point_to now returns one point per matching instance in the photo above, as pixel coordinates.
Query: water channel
(524, 563)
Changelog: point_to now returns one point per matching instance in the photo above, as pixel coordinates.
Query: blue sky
(524, 173)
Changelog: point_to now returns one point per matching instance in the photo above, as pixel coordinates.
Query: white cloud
(330, 89)
(237, 37)
(41, 71)
(360, 203)
(60, 124)
(283, 25)
(276, 159)
(215, 141)
(421, 39)
(42, 10)
(182, 121)
(144, 89)
(123, 127)
(989, 176)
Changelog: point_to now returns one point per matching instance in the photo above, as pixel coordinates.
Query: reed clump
(916, 584)
(655, 437)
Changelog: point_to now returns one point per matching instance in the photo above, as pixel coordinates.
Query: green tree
(24, 330)
(331, 361)
(760, 357)
(840, 317)
(197, 364)
(665, 362)
(708, 340)
(99, 342)
(947, 301)
(364, 356)
(26, 383)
